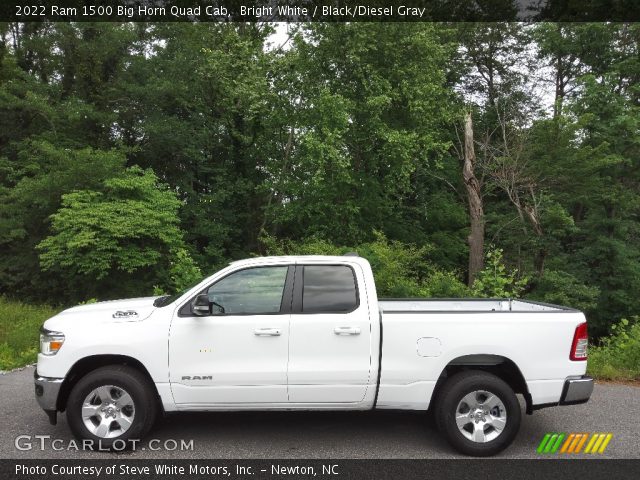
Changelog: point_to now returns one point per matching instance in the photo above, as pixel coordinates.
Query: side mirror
(201, 307)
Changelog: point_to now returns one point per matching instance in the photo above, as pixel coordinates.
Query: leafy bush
(130, 225)
(183, 273)
(562, 288)
(19, 332)
(309, 246)
(496, 280)
(617, 357)
(401, 270)
(445, 284)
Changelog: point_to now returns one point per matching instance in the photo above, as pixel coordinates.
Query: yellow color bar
(596, 445)
(592, 441)
(605, 443)
(582, 440)
(567, 442)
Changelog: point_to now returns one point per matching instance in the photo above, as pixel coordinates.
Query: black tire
(452, 393)
(133, 382)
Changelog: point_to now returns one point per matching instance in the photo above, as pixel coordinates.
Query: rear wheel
(111, 404)
(478, 413)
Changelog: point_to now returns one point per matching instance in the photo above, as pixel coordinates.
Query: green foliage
(129, 227)
(309, 246)
(401, 270)
(89, 301)
(618, 355)
(562, 288)
(183, 270)
(351, 129)
(444, 284)
(362, 127)
(496, 280)
(589, 152)
(34, 183)
(19, 332)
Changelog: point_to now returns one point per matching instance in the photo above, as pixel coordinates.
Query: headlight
(50, 342)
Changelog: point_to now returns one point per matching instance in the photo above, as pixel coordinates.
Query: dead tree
(474, 196)
(507, 166)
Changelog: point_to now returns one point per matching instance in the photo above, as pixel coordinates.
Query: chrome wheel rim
(108, 411)
(481, 416)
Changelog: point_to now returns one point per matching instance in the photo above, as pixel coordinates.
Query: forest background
(461, 159)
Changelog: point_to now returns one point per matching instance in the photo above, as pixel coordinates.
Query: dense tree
(589, 152)
(125, 236)
(40, 174)
(364, 127)
(138, 155)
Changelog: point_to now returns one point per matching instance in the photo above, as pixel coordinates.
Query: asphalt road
(612, 408)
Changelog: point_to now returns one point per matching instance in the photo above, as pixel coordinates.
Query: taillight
(580, 343)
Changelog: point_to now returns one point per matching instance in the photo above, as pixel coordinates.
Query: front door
(330, 338)
(237, 355)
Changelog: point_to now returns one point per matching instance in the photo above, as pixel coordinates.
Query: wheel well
(499, 366)
(91, 363)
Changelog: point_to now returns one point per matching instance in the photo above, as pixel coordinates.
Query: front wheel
(478, 413)
(111, 404)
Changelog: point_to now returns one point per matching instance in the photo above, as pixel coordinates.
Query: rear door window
(329, 289)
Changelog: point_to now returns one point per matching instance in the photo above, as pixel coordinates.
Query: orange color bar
(584, 439)
(575, 442)
(567, 442)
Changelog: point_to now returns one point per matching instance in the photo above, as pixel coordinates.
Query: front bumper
(576, 390)
(47, 390)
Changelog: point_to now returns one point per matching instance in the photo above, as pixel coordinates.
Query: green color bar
(550, 443)
(543, 443)
(558, 443)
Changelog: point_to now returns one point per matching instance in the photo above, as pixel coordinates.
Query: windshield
(165, 300)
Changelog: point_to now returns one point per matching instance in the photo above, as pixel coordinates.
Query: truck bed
(476, 305)
(420, 337)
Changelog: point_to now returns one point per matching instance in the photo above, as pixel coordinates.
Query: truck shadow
(305, 434)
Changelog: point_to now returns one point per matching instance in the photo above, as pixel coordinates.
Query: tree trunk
(538, 261)
(476, 211)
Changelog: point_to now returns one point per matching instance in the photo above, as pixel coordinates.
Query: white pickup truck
(309, 333)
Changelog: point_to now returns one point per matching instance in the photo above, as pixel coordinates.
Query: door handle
(267, 332)
(346, 331)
